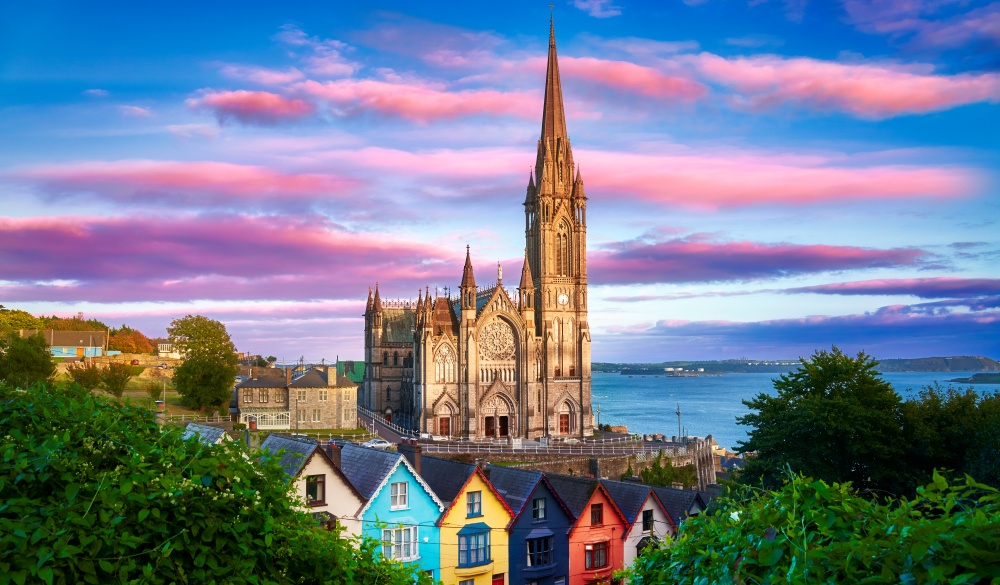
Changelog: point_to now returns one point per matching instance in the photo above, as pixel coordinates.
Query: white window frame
(301, 395)
(400, 543)
(317, 415)
(474, 504)
(538, 509)
(399, 496)
(323, 395)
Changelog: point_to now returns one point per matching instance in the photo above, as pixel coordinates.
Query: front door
(564, 424)
(444, 426)
(498, 579)
(504, 426)
(490, 426)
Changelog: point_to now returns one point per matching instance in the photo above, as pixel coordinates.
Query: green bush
(812, 532)
(95, 492)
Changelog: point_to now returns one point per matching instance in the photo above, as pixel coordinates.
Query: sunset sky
(766, 178)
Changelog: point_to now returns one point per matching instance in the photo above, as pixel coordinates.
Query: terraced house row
(480, 524)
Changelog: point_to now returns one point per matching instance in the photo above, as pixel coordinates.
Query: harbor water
(709, 404)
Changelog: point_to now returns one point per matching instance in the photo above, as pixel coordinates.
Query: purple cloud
(925, 288)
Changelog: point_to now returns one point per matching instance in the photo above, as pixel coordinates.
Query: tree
(271, 359)
(260, 362)
(834, 419)
(204, 382)
(115, 377)
(25, 360)
(210, 365)
(86, 375)
(108, 496)
(16, 319)
(127, 340)
(661, 474)
(75, 323)
(814, 532)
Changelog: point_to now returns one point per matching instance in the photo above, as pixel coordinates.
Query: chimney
(413, 453)
(483, 466)
(288, 376)
(334, 452)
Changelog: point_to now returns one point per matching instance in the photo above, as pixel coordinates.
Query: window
(539, 551)
(473, 549)
(301, 396)
(263, 395)
(596, 514)
(316, 415)
(248, 396)
(385, 358)
(398, 499)
(315, 490)
(323, 394)
(279, 395)
(647, 520)
(474, 503)
(467, 582)
(301, 415)
(538, 508)
(400, 543)
(395, 358)
(597, 555)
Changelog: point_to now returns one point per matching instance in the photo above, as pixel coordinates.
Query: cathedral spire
(526, 283)
(553, 113)
(468, 279)
(377, 303)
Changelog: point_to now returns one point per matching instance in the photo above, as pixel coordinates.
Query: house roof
(352, 370)
(57, 338)
(573, 490)
(678, 502)
(319, 378)
(297, 451)
(514, 485)
(204, 433)
(367, 468)
(446, 478)
(629, 497)
(263, 383)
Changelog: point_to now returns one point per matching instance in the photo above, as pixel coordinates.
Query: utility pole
(679, 435)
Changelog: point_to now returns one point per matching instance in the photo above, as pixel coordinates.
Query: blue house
(401, 510)
(539, 546)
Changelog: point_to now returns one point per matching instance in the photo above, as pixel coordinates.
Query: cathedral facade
(493, 362)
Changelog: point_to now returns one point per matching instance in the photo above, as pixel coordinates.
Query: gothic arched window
(562, 250)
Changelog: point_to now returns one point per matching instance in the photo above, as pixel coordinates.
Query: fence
(381, 420)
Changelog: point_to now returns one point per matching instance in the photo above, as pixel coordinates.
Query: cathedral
(493, 362)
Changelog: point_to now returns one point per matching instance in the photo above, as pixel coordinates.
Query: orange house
(596, 546)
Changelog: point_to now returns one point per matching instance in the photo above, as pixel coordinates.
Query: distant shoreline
(979, 379)
(744, 366)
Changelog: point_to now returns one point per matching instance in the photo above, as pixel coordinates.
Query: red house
(596, 546)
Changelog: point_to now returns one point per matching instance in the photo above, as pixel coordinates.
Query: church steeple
(468, 288)
(553, 113)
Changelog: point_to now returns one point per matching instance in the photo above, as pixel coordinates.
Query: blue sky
(766, 178)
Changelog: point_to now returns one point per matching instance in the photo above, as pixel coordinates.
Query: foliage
(155, 390)
(271, 359)
(127, 340)
(813, 532)
(260, 362)
(76, 323)
(203, 381)
(16, 319)
(665, 474)
(25, 360)
(115, 377)
(834, 419)
(210, 366)
(94, 492)
(87, 375)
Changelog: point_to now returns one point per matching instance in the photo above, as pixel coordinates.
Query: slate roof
(398, 325)
(574, 491)
(678, 502)
(317, 378)
(297, 451)
(514, 485)
(367, 468)
(56, 338)
(445, 477)
(263, 383)
(628, 496)
(204, 433)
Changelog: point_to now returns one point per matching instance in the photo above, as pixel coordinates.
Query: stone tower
(490, 362)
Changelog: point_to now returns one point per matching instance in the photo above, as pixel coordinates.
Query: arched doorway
(442, 418)
(566, 418)
(498, 417)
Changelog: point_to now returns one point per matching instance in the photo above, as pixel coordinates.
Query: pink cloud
(697, 258)
(918, 19)
(180, 182)
(252, 107)
(135, 111)
(418, 102)
(262, 75)
(229, 257)
(866, 90)
(715, 180)
(927, 288)
(629, 77)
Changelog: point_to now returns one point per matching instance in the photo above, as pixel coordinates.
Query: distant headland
(745, 366)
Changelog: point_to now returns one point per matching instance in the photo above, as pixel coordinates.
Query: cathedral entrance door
(444, 426)
(490, 426)
(504, 426)
(563, 424)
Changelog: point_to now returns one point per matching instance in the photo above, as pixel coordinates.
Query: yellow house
(473, 525)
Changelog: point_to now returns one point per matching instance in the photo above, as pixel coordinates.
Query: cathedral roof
(398, 324)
